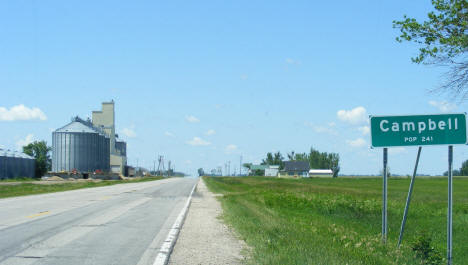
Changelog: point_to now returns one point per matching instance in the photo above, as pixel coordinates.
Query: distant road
(119, 224)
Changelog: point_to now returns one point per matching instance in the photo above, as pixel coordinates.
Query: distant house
(327, 173)
(295, 169)
(264, 170)
(257, 170)
(271, 171)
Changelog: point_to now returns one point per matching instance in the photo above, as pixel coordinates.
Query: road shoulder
(204, 239)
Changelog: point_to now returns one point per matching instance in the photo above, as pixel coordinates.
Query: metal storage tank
(16, 164)
(2, 164)
(79, 146)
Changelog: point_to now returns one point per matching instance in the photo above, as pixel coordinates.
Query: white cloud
(323, 129)
(197, 141)
(129, 132)
(21, 112)
(191, 119)
(443, 106)
(210, 132)
(396, 150)
(169, 134)
(292, 61)
(359, 142)
(231, 148)
(244, 77)
(365, 130)
(23, 142)
(355, 116)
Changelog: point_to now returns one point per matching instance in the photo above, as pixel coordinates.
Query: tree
(274, 159)
(334, 163)
(201, 172)
(290, 155)
(463, 169)
(278, 160)
(455, 172)
(444, 41)
(40, 151)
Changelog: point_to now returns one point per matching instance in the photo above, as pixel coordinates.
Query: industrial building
(105, 120)
(15, 164)
(89, 146)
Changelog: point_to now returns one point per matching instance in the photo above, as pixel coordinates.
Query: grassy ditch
(338, 221)
(32, 188)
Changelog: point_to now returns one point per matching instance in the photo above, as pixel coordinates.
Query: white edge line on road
(166, 248)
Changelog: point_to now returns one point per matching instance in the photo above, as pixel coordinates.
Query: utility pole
(168, 168)
(161, 165)
(229, 168)
(240, 166)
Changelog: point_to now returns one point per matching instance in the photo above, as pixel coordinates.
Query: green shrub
(424, 250)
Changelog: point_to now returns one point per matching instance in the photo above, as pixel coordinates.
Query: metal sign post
(384, 197)
(408, 199)
(418, 130)
(449, 210)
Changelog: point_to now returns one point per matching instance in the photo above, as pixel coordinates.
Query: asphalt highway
(119, 224)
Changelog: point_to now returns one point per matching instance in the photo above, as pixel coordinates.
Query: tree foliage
(274, 159)
(464, 169)
(201, 172)
(40, 151)
(247, 165)
(444, 41)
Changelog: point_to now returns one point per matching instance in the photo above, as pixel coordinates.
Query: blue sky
(203, 82)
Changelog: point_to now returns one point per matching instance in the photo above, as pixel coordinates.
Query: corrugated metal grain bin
(15, 164)
(79, 146)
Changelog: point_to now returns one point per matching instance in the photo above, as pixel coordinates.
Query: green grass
(19, 180)
(338, 221)
(30, 188)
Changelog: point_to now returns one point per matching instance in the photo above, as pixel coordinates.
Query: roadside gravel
(204, 239)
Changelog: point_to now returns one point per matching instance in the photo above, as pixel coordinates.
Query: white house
(271, 171)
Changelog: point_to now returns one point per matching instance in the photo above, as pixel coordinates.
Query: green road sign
(438, 129)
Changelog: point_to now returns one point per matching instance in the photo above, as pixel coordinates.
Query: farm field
(338, 221)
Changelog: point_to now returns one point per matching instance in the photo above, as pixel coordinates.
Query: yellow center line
(38, 214)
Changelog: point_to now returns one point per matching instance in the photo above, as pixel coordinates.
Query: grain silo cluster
(89, 146)
(16, 165)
